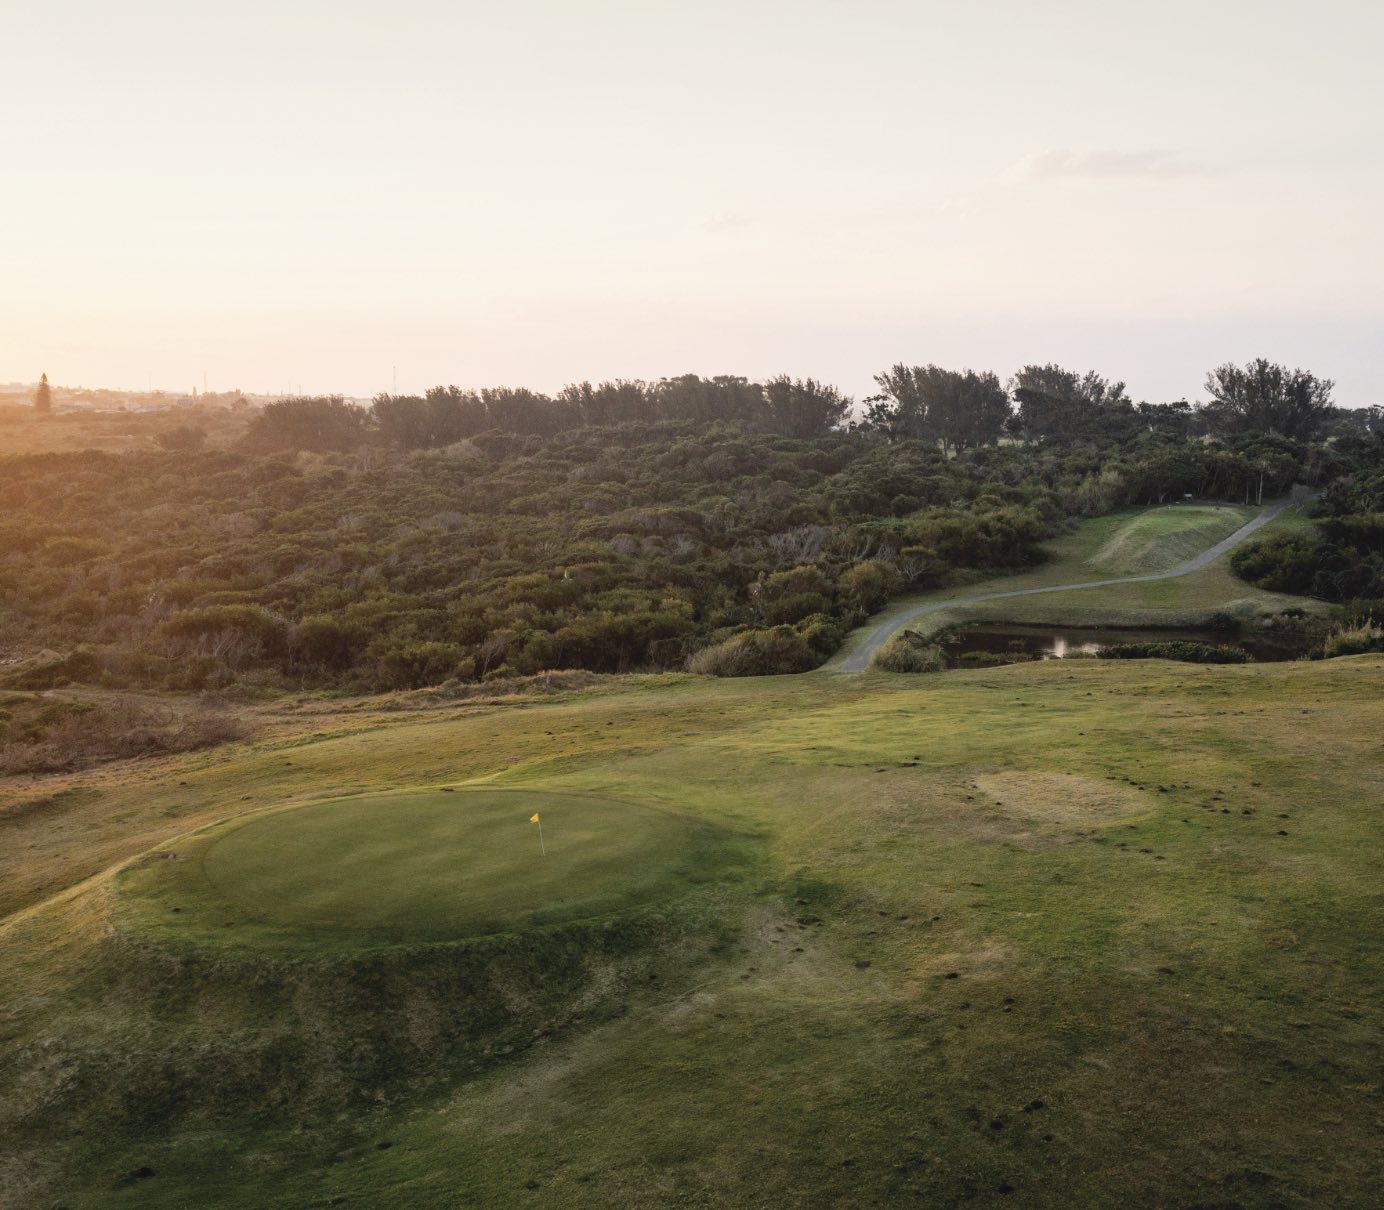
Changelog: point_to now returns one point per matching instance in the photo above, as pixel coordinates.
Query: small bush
(756, 653)
(822, 634)
(870, 584)
(1361, 638)
(790, 609)
(1187, 652)
(81, 664)
(994, 659)
(910, 652)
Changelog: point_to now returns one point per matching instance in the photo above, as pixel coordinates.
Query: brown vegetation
(47, 734)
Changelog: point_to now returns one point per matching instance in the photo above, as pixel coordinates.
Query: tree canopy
(958, 408)
(1061, 405)
(1265, 397)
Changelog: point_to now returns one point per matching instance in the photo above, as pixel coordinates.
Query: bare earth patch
(1060, 797)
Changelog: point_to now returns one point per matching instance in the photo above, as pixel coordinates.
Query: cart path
(860, 658)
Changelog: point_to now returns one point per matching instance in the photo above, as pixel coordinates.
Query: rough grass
(1051, 935)
(52, 732)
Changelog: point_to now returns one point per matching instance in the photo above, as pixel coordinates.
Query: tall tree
(609, 402)
(1064, 405)
(956, 407)
(457, 411)
(520, 410)
(977, 407)
(901, 410)
(1265, 397)
(803, 407)
(411, 422)
(43, 397)
(725, 397)
(307, 422)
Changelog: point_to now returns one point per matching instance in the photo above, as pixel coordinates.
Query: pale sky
(311, 193)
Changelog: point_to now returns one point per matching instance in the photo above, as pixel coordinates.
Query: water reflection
(1060, 647)
(1058, 643)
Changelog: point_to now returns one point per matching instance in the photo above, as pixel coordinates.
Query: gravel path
(860, 658)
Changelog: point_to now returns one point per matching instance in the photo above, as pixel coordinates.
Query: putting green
(420, 867)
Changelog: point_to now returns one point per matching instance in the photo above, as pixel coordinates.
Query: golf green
(417, 867)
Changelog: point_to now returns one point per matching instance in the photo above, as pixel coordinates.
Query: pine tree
(43, 397)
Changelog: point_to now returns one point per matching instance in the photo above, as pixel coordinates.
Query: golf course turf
(415, 867)
(1062, 934)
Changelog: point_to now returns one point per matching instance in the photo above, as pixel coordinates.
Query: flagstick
(541, 845)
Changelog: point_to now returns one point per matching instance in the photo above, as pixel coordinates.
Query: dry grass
(1065, 798)
(51, 734)
(24, 432)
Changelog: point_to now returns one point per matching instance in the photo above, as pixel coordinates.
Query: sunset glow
(305, 195)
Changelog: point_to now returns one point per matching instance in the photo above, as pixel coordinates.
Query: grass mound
(1162, 538)
(411, 868)
(165, 1062)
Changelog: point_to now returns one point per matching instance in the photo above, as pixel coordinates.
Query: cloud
(1151, 164)
(729, 221)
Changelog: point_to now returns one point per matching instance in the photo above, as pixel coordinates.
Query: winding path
(859, 659)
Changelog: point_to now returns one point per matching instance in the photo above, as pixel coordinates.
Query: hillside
(622, 548)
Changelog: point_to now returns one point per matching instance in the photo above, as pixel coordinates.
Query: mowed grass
(1160, 538)
(414, 867)
(1050, 935)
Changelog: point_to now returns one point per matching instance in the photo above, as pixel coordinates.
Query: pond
(1059, 642)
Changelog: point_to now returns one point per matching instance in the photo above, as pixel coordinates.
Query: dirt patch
(1059, 797)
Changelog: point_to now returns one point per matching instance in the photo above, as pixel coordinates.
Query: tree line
(955, 409)
(790, 407)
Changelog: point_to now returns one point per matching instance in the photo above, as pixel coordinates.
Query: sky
(339, 196)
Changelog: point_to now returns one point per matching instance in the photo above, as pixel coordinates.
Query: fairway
(1163, 566)
(419, 867)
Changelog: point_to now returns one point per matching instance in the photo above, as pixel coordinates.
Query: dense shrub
(1187, 652)
(608, 550)
(870, 584)
(477, 534)
(39, 736)
(1342, 558)
(910, 652)
(994, 659)
(757, 653)
(1358, 638)
(1283, 564)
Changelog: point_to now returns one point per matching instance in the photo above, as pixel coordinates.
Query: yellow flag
(533, 818)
